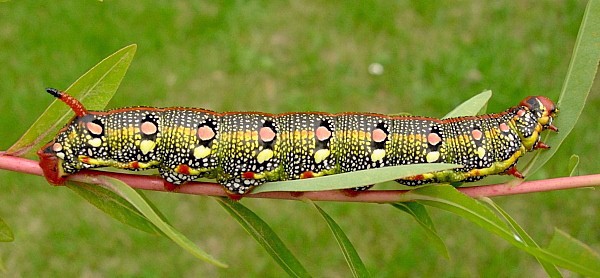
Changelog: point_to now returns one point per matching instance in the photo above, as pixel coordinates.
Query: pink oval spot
(322, 133)
(520, 113)
(148, 128)
(378, 135)
(94, 128)
(205, 133)
(266, 134)
(57, 147)
(433, 138)
(504, 127)
(477, 134)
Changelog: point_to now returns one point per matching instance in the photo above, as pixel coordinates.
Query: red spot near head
(322, 133)
(205, 133)
(504, 127)
(85, 160)
(307, 175)
(134, 165)
(378, 135)
(521, 112)
(49, 164)
(148, 128)
(183, 169)
(477, 134)
(248, 175)
(266, 134)
(433, 138)
(94, 128)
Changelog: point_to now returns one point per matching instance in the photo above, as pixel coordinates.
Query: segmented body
(242, 150)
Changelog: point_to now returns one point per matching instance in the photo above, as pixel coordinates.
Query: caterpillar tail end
(50, 165)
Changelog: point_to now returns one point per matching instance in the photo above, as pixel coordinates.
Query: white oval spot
(95, 142)
(432, 157)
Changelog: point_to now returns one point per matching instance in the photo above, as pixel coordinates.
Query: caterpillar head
(544, 110)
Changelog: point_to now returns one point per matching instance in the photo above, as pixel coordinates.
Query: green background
(280, 57)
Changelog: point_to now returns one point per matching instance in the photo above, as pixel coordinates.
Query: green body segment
(242, 150)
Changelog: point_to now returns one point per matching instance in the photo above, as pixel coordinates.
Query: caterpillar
(242, 150)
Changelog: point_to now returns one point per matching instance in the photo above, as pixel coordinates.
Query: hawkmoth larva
(242, 150)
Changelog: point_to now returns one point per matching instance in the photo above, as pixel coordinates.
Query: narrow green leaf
(577, 84)
(153, 207)
(94, 89)
(573, 163)
(265, 236)
(357, 267)
(2, 268)
(114, 205)
(568, 247)
(569, 253)
(354, 179)
(448, 198)
(6, 234)
(141, 205)
(420, 214)
(551, 269)
(472, 106)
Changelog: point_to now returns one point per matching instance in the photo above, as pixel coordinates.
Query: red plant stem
(23, 165)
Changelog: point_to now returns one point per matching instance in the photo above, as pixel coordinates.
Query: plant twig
(23, 165)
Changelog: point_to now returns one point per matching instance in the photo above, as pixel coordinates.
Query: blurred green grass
(278, 57)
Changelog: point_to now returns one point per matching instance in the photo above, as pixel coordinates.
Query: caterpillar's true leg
(541, 145)
(512, 170)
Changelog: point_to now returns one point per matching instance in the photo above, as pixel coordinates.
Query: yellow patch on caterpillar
(378, 155)
(480, 152)
(258, 176)
(201, 152)
(432, 157)
(146, 146)
(321, 155)
(264, 155)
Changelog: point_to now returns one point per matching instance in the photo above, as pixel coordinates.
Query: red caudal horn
(75, 105)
